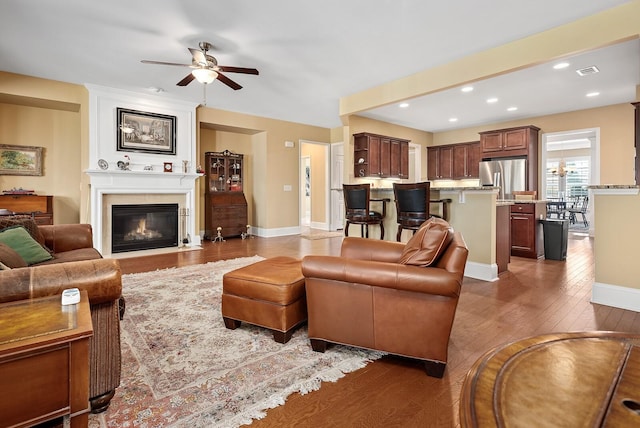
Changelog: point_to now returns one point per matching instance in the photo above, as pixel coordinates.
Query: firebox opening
(143, 227)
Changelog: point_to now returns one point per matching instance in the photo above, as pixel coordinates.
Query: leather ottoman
(269, 293)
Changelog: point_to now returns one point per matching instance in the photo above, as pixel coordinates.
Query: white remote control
(70, 296)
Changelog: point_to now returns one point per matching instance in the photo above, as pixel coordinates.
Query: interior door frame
(595, 166)
(327, 201)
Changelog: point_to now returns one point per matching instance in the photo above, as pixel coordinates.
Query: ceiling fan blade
(198, 57)
(146, 61)
(238, 69)
(187, 79)
(230, 83)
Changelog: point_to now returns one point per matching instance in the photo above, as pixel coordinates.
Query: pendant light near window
(204, 75)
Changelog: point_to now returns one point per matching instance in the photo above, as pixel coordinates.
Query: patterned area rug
(182, 368)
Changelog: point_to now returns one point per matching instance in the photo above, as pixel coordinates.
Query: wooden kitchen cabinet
(39, 206)
(225, 203)
(380, 156)
(399, 156)
(466, 159)
(527, 238)
(440, 162)
(520, 141)
(453, 161)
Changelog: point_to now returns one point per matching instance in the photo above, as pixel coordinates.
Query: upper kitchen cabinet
(380, 156)
(453, 161)
(466, 159)
(521, 141)
(440, 162)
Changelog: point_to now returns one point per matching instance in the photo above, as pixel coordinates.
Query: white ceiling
(312, 53)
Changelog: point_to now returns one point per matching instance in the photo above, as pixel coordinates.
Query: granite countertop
(522, 201)
(485, 188)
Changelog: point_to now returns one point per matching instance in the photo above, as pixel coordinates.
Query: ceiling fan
(206, 68)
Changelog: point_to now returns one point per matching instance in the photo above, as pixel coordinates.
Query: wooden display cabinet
(225, 203)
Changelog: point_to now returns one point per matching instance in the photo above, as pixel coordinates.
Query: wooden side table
(44, 361)
(557, 380)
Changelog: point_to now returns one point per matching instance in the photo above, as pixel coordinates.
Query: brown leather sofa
(76, 264)
(388, 296)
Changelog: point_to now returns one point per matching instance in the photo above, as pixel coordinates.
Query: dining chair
(357, 199)
(412, 205)
(579, 207)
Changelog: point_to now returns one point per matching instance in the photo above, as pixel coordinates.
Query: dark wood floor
(534, 297)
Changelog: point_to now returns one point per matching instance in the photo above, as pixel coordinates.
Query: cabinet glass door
(217, 174)
(235, 174)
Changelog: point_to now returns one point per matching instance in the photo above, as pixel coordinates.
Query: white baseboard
(270, 233)
(319, 225)
(481, 271)
(616, 296)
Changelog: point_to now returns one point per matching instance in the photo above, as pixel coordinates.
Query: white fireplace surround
(135, 185)
(145, 181)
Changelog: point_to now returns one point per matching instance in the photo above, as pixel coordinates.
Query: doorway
(305, 191)
(570, 162)
(314, 185)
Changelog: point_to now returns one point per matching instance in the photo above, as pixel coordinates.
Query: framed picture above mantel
(145, 132)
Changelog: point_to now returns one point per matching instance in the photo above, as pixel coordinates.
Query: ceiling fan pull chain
(204, 94)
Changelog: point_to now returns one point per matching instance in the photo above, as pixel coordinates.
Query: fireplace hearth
(144, 227)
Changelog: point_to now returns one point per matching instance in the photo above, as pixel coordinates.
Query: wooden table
(557, 380)
(44, 361)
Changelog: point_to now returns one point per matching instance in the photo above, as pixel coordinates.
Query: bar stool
(412, 205)
(357, 198)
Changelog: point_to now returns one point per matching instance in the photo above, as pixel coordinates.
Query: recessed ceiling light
(593, 94)
(467, 89)
(155, 89)
(561, 65)
(512, 108)
(453, 119)
(492, 100)
(403, 105)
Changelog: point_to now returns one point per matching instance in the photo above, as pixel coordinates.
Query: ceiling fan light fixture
(204, 75)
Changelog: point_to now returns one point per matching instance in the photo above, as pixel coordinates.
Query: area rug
(321, 235)
(182, 368)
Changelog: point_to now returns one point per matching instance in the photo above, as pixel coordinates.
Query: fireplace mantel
(118, 182)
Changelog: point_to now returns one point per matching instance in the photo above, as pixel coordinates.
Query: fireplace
(143, 227)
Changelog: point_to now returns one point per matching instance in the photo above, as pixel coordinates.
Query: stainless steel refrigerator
(508, 174)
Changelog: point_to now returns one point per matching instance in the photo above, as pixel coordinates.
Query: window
(574, 183)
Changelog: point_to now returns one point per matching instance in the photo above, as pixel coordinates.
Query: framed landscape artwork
(20, 160)
(145, 132)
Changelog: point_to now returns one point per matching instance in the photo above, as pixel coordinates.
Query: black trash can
(556, 235)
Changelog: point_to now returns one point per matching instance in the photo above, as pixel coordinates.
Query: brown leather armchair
(77, 264)
(389, 296)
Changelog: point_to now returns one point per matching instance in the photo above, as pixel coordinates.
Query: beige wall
(212, 140)
(48, 114)
(273, 208)
(617, 257)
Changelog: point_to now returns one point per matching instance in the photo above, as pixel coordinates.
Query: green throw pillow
(20, 240)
